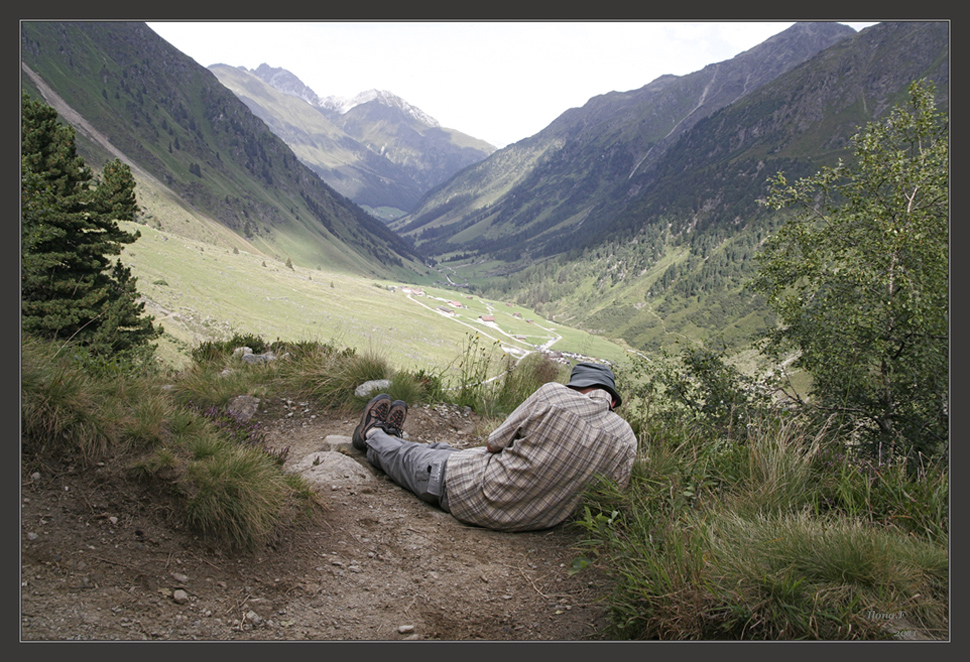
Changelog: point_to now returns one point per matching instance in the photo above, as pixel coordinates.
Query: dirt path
(99, 561)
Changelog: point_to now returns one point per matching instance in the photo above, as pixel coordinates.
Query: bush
(211, 351)
(521, 380)
(916, 501)
(697, 388)
(492, 384)
(475, 369)
(330, 377)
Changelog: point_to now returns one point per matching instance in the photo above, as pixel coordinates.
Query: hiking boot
(396, 416)
(375, 413)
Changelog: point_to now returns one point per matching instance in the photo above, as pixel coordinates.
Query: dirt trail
(100, 560)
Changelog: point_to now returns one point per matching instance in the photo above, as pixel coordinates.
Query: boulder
(331, 469)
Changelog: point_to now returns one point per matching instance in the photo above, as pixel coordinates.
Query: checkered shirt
(547, 452)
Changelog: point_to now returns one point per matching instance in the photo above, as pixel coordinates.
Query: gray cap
(594, 374)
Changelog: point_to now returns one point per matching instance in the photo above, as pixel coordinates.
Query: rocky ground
(101, 560)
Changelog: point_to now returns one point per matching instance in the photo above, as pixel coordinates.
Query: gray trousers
(419, 468)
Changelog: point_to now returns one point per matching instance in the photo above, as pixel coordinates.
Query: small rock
(367, 388)
(337, 442)
(405, 629)
(253, 617)
(179, 577)
(180, 597)
(243, 407)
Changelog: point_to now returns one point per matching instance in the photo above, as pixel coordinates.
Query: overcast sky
(497, 81)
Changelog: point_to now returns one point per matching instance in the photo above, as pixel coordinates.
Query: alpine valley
(633, 217)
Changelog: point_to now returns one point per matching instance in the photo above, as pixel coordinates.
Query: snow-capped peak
(343, 105)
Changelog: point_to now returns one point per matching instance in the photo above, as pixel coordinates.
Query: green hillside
(156, 108)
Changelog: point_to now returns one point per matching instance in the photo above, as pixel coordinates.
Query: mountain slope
(344, 163)
(406, 136)
(572, 177)
(670, 266)
(376, 148)
(174, 120)
(797, 123)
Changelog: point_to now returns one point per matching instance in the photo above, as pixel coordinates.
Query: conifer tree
(72, 287)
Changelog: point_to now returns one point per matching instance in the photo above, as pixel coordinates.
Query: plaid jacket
(546, 453)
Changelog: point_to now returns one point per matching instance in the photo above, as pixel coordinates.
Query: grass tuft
(233, 493)
(61, 406)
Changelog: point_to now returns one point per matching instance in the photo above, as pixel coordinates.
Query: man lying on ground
(537, 463)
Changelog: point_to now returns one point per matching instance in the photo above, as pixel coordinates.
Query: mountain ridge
(344, 106)
(289, 83)
(673, 262)
(557, 223)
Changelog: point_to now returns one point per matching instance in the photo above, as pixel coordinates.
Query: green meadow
(200, 291)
